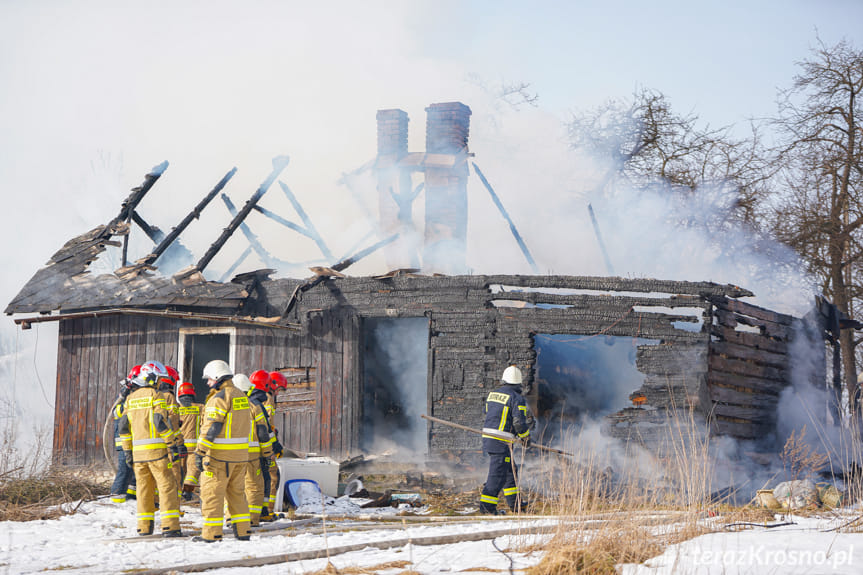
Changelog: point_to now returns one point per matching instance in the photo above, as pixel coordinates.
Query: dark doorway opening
(583, 378)
(395, 389)
(200, 349)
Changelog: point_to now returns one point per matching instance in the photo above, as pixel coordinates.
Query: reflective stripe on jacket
(505, 419)
(145, 428)
(191, 417)
(227, 424)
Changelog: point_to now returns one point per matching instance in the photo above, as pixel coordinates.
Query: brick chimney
(394, 184)
(447, 127)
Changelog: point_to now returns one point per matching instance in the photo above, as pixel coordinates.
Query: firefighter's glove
(175, 453)
(182, 451)
(199, 462)
(277, 449)
(130, 461)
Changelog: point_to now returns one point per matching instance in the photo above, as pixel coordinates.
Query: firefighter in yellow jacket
(166, 386)
(260, 450)
(222, 455)
(191, 416)
(146, 432)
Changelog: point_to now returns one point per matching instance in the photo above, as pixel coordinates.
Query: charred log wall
(481, 324)
(748, 367)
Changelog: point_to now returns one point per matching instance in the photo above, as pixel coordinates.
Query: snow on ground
(807, 546)
(100, 538)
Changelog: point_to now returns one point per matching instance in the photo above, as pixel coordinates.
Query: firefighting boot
(245, 537)
(172, 533)
(198, 538)
(145, 527)
(486, 509)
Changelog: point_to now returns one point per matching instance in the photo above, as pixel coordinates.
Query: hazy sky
(95, 93)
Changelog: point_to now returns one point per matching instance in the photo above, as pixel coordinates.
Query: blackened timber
(193, 215)
(363, 253)
(310, 227)
(131, 202)
(512, 228)
(616, 284)
(152, 232)
(262, 252)
(227, 275)
(287, 223)
(279, 164)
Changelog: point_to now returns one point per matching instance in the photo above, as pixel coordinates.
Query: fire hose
(108, 437)
(477, 431)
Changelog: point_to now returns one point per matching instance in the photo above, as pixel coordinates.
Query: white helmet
(150, 373)
(217, 369)
(242, 382)
(511, 375)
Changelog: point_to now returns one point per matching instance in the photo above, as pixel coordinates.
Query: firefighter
(146, 433)
(277, 382)
(260, 450)
(222, 453)
(506, 415)
(191, 414)
(167, 385)
(123, 487)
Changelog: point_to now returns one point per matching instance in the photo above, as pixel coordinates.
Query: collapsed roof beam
(154, 233)
(131, 202)
(503, 212)
(254, 242)
(193, 215)
(361, 254)
(127, 208)
(229, 273)
(279, 164)
(310, 228)
(323, 273)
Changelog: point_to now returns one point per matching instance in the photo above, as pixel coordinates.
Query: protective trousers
(254, 490)
(124, 480)
(221, 481)
(274, 485)
(501, 476)
(151, 475)
(177, 468)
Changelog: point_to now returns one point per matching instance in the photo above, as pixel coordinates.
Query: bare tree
(647, 142)
(821, 212)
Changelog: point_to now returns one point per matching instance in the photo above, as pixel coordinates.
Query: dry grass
(331, 569)
(46, 496)
(619, 504)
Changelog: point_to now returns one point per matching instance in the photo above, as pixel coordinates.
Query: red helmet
(260, 379)
(186, 388)
(277, 380)
(133, 373)
(173, 373)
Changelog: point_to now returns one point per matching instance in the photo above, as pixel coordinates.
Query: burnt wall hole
(581, 379)
(395, 385)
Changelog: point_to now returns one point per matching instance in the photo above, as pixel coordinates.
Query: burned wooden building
(366, 356)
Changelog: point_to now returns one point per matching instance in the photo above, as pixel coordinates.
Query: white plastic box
(322, 470)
